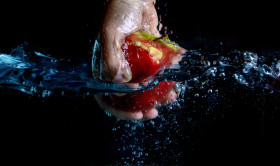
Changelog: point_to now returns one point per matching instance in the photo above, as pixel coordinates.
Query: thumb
(118, 72)
(122, 18)
(115, 67)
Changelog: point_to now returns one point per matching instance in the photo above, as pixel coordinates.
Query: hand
(106, 104)
(124, 17)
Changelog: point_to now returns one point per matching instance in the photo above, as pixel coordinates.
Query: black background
(74, 130)
(66, 29)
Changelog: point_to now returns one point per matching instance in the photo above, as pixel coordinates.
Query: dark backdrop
(73, 130)
(67, 28)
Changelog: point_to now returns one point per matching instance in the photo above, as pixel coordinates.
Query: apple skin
(146, 55)
(144, 101)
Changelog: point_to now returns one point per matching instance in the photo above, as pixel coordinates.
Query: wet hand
(124, 17)
(106, 104)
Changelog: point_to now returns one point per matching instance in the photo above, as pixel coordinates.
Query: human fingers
(150, 18)
(106, 104)
(171, 97)
(151, 114)
(122, 17)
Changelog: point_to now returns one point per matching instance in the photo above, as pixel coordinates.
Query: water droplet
(195, 80)
(222, 74)
(33, 89)
(133, 127)
(46, 93)
(107, 113)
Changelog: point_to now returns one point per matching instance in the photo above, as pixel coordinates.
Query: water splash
(199, 75)
(36, 73)
(138, 143)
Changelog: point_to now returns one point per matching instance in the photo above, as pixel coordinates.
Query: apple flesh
(146, 55)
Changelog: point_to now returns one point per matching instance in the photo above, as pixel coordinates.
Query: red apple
(146, 55)
(143, 101)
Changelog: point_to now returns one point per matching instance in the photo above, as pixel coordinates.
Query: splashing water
(33, 72)
(200, 73)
